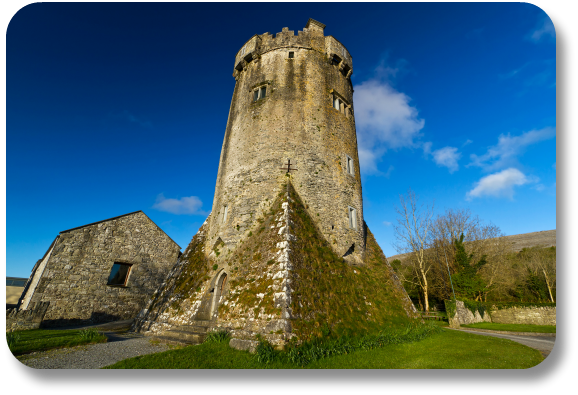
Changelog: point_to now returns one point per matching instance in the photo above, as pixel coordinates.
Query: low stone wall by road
(463, 315)
(533, 315)
(459, 314)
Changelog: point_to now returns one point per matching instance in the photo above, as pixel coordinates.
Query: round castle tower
(293, 100)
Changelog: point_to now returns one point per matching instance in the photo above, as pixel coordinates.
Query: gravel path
(119, 346)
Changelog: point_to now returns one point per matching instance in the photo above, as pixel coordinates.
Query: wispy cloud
(389, 171)
(534, 73)
(447, 157)
(467, 142)
(127, 117)
(426, 148)
(499, 184)
(544, 31)
(386, 223)
(506, 152)
(385, 120)
(190, 205)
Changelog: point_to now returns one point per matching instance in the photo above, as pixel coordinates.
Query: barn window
(119, 274)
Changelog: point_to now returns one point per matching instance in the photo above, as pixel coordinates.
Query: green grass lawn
(446, 350)
(513, 327)
(45, 339)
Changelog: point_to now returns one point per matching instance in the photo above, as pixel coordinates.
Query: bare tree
(541, 264)
(412, 232)
(480, 239)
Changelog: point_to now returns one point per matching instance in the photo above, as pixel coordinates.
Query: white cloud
(190, 205)
(427, 148)
(544, 31)
(389, 171)
(387, 223)
(126, 116)
(385, 120)
(467, 142)
(447, 157)
(505, 153)
(499, 184)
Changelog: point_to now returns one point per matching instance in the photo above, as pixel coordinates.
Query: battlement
(311, 37)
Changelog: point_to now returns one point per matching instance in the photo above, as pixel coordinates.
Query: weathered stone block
(246, 345)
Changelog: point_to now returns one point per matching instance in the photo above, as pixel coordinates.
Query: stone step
(181, 337)
(191, 328)
(172, 340)
(201, 323)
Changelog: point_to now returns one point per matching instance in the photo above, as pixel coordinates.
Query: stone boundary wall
(463, 315)
(532, 315)
(528, 315)
(20, 320)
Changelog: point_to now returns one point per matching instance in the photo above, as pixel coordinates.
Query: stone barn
(100, 272)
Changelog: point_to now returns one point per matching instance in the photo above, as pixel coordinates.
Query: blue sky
(113, 108)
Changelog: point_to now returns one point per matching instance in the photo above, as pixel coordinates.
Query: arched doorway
(218, 292)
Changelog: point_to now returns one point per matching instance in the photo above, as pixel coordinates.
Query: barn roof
(120, 216)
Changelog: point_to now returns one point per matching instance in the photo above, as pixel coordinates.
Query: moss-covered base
(283, 280)
(331, 295)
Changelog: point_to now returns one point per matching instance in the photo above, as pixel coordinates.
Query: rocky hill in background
(545, 238)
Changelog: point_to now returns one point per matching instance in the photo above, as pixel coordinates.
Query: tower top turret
(310, 38)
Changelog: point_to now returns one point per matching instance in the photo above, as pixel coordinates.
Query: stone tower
(293, 100)
(283, 255)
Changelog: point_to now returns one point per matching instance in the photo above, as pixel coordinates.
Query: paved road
(540, 343)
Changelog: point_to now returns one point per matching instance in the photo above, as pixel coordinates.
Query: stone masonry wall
(21, 320)
(525, 315)
(255, 298)
(463, 315)
(530, 315)
(295, 120)
(75, 278)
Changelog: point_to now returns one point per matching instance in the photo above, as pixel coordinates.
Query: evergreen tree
(468, 282)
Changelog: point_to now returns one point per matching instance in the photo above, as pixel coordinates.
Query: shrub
(89, 334)
(323, 347)
(265, 353)
(218, 336)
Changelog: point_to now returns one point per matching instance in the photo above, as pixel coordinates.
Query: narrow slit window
(350, 165)
(336, 104)
(256, 95)
(291, 55)
(225, 210)
(119, 274)
(352, 218)
(263, 92)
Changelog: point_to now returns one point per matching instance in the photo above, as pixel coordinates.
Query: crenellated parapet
(310, 38)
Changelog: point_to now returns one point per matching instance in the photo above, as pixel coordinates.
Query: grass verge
(444, 350)
(24, 342)
(513, 327)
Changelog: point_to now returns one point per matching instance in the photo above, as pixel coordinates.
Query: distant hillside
(545, 238)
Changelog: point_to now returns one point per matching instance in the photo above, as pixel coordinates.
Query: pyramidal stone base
(282, 280)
